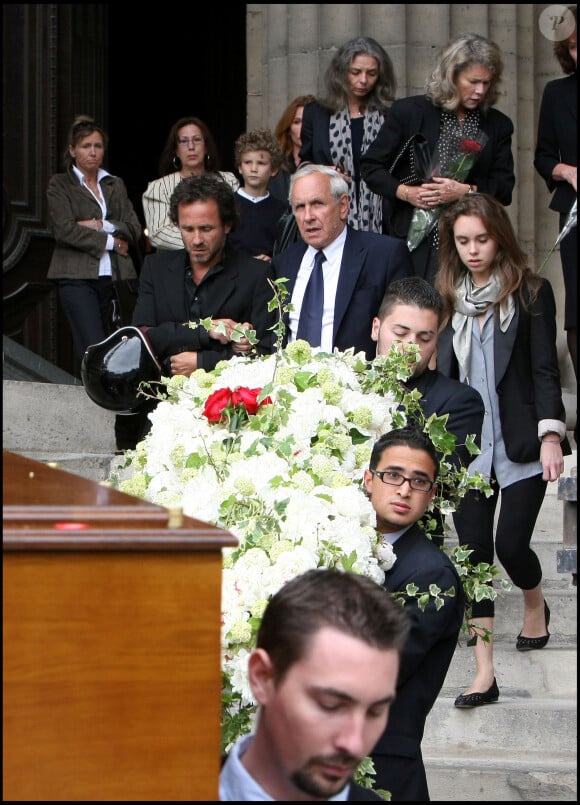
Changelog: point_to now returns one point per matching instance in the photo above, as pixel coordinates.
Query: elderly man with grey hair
(337, 275)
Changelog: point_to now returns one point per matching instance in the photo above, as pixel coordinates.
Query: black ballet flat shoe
(477, 699)
(531, 643)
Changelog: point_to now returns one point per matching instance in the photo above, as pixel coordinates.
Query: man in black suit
(205, 280)
(400, 482)
(411, 313)
(357, 266)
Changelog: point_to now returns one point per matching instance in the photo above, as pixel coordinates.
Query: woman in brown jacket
(94, 226)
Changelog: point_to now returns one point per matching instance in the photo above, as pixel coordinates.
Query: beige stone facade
(289, 47)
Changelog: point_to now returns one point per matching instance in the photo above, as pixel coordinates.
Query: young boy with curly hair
(258, 157)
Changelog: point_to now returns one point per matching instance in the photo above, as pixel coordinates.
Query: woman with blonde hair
(457, 107)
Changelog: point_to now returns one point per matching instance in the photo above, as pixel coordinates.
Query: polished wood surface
(112, 680)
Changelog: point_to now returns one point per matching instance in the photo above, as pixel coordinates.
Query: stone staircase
(58, 422)
(524, 747)
(521, 748)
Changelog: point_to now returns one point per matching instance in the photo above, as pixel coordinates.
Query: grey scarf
(472, 301)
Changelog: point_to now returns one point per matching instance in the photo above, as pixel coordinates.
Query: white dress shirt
(331, 272)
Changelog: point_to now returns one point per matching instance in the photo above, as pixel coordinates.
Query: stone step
(58, 422)
(543, 726)
(509, 609)
(515, 749)
(501, 780)
(551, 671)
(55, 418)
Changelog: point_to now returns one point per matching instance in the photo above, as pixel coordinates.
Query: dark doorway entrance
(183, 60)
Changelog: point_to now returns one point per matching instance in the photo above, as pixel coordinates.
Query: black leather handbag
(412, 165)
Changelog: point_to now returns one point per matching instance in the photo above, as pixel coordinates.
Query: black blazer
(315, 134)
(558, 137)
(425, 660)
(443, 395)
(527, 375)
(492, 173)
(237, 288)
(370, 262)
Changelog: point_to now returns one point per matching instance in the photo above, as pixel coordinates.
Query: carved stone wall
(290, 45)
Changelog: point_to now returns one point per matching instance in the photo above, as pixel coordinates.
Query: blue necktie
(310, 321)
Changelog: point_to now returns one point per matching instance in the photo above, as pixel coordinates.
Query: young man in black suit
(400, 482)
(357, 266)
(411, 313)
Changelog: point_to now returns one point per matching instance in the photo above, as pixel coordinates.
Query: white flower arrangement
(274, 449)
(286, 480)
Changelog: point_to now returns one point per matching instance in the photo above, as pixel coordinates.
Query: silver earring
(176, 163)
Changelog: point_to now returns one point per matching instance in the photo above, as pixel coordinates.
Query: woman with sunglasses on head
(190, 150)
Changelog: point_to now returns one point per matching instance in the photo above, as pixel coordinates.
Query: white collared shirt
(254, 199)
(392, 537)
(105, 268)
(237, 784)
(331, 272)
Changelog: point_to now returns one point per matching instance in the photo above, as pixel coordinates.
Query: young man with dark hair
(323, 673)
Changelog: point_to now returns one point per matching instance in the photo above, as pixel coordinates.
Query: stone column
(290, 45)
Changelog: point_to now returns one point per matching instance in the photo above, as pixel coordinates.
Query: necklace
(355, 112)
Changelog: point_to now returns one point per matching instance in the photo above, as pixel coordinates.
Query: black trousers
(474, 522)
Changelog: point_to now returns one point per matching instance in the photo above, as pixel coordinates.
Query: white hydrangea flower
(385, 554)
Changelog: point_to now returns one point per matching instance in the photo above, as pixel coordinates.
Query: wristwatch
(471, 189)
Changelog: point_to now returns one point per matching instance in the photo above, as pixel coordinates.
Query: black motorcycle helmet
(112, 370)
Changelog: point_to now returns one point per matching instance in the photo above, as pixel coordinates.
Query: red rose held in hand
(215, 404)
(470, 147)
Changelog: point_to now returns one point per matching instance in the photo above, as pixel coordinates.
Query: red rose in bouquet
(233, 407)
(216, 404)
(248, 398)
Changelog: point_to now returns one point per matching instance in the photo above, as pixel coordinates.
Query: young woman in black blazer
(500, 338)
